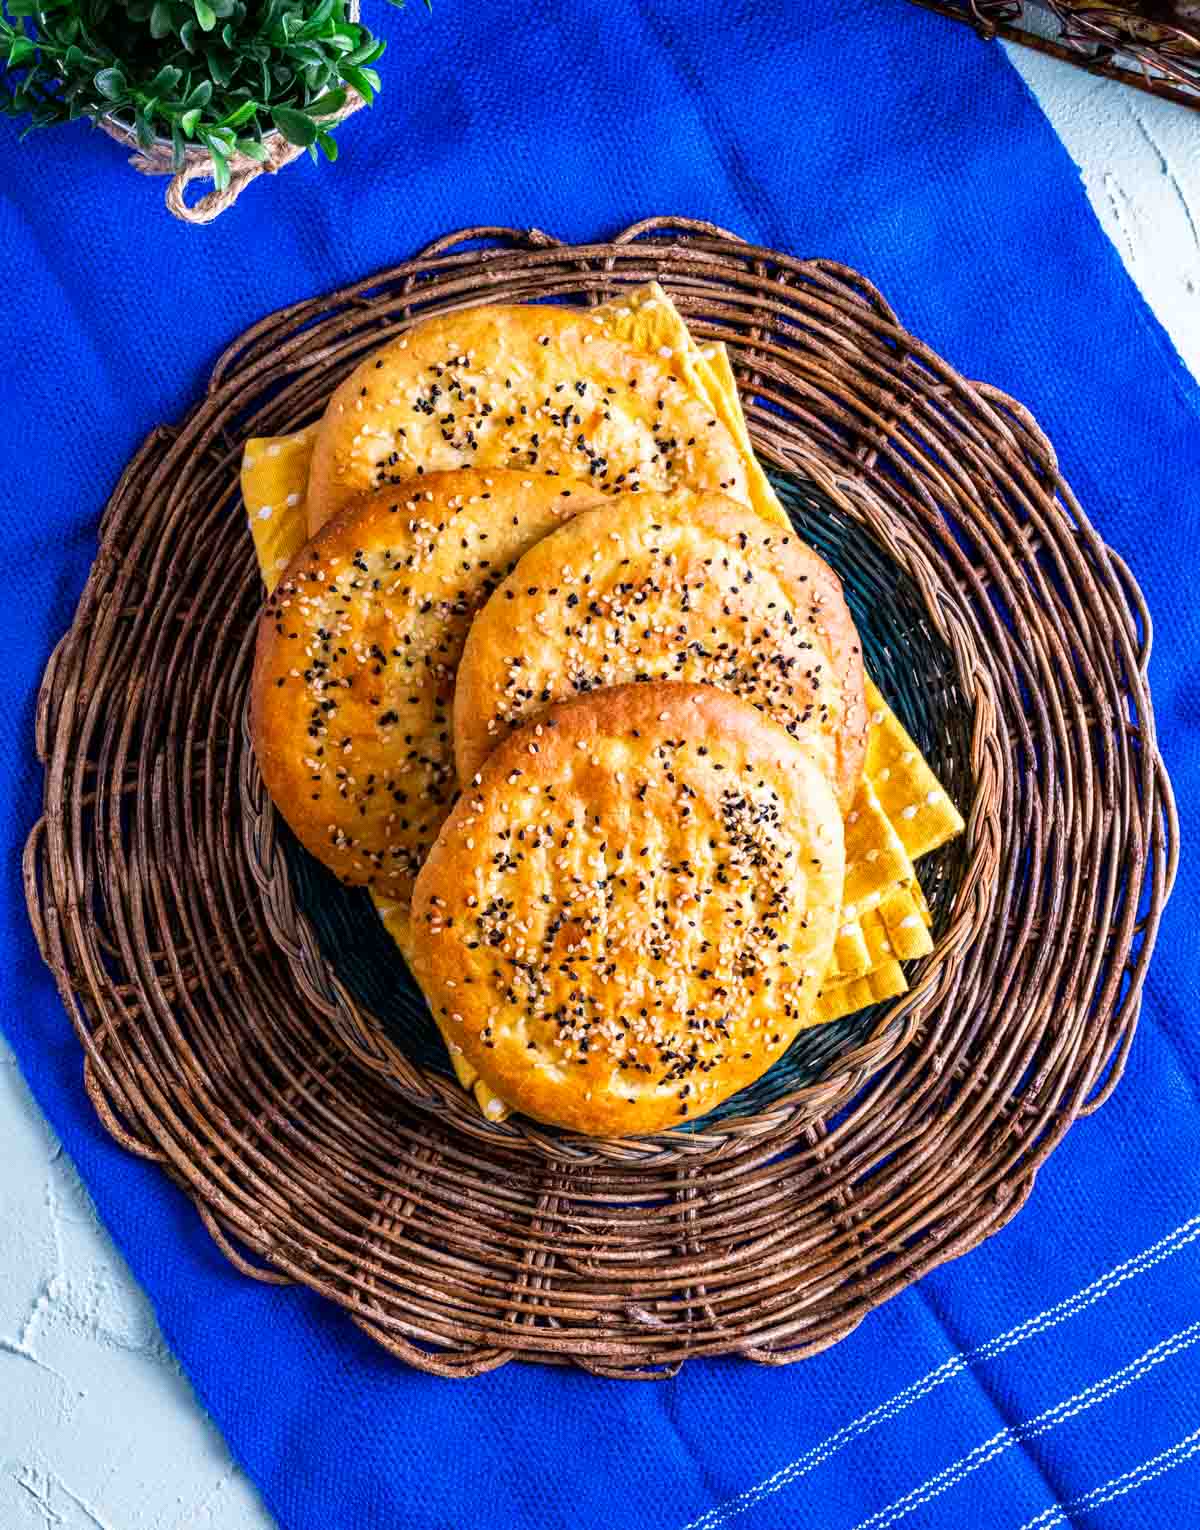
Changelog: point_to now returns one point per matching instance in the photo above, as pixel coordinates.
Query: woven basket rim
(456, 1252)
(1157, 54)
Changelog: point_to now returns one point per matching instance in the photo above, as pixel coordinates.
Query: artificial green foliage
(214, 73)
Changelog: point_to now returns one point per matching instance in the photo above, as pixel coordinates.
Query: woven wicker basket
(222, 1043)
(1153, 45)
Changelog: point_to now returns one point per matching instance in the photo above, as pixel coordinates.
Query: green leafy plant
(218, 74)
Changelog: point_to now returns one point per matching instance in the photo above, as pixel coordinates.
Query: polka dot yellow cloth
(901, 811)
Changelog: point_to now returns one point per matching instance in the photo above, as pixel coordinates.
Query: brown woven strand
(1155, 47)
(219, 1044)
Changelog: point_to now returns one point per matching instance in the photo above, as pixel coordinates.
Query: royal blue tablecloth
(1052, 1376)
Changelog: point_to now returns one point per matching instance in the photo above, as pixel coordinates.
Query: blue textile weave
(1053, 1375)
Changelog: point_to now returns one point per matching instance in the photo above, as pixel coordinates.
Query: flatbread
(274, 474)
(628, 917)
(357, 652)
(684, 587)
(534, 388)
(275, 483)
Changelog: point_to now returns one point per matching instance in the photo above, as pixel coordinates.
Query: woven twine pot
(158, 158)
(220, 1043)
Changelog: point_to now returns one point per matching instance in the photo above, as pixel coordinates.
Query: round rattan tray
(221, 1043)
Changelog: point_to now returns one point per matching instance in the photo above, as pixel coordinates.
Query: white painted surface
(99, 1430)
(76, 1332)
(1140, 161)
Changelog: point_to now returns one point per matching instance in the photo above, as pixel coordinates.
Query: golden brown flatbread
(357, 652)
(683, 587)
(629, 916)
(536, 389)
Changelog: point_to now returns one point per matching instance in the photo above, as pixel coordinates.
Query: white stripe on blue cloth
(1042, 1423)
(1116, 1487)
(1071, 1306)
